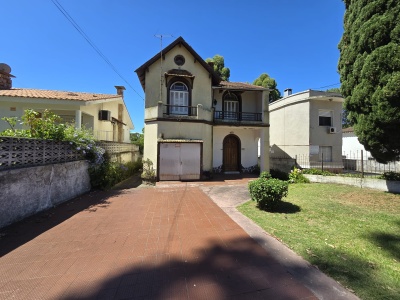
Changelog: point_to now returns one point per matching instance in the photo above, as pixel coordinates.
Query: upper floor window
(325, 117)
(231, 106)
(179, 98)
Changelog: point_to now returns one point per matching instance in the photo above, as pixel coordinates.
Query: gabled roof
(227, 85)
(142, 69)
(55, 95)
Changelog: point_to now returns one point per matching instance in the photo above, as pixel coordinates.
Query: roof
(57, 95)
(239, 86)
(179, 41)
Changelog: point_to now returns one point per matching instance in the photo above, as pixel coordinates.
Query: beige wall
(201, 93)
(319, 134)
(249, 144)
(289, 128)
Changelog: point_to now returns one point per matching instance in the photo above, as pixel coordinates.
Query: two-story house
(308, 126)
(195, 122)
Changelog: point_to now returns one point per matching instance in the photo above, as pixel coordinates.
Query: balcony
(227, 116)
(179, 110)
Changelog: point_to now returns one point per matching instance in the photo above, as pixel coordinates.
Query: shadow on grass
(355, 272)
(21, 232)
(388, 242)
(283, 208)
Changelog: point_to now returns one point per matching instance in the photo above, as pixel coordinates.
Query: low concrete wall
(378, 184)
(26, 191)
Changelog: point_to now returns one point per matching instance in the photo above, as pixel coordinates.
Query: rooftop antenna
(161, 36)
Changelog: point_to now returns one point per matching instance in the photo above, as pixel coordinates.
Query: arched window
(178, 98)
(231, 106)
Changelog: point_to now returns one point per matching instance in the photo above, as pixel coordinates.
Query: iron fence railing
(180, 110)
(357, 164)
(237, 116)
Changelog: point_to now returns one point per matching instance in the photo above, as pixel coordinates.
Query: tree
(265, 81)
(138, 139)
(333, 90)
(369, 68)
(219, 67)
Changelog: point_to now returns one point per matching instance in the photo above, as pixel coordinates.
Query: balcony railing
(237, 116)
(179, 110)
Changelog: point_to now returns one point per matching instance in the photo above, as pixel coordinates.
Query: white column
(264, 147)
(78, 119)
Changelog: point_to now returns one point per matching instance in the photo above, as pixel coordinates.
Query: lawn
(351, 234)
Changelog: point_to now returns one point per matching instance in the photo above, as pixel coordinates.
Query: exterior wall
(290, 128)
(28, 191)
(351, 147)
(150, 143)
(201, 93)
(248, 140)
(319, 135)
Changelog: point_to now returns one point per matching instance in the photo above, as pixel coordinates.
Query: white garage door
(180, 161)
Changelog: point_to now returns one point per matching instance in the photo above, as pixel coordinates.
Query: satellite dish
(5, 68)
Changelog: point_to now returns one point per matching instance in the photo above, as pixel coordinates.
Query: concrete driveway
(173, 241)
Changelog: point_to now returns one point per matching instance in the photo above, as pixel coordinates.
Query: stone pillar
(78, 119)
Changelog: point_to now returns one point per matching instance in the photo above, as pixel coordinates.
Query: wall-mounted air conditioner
(332, 130)
(105, 115)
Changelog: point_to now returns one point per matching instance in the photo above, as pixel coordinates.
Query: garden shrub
(278, 174)
(296, 176)
(391, 176)
(265, 175)
(268, 192)
(317, 172)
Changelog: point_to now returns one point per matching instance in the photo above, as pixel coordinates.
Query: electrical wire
(86, 37)
(322, 87)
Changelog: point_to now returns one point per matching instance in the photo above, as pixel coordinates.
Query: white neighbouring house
(307, 126)
(196, 123)
(352, 148)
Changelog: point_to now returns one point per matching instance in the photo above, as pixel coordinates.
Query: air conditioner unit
(104, 115)
(332, 130)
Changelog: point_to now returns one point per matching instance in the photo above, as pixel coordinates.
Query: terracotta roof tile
(240, 86)
(57, 95)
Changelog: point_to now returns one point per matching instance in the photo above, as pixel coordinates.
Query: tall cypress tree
(369, 68)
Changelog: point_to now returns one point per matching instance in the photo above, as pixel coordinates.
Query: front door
(231, 146)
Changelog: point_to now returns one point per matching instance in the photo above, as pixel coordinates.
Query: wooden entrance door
(231, 146)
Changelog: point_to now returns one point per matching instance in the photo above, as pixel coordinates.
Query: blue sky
(293, 41)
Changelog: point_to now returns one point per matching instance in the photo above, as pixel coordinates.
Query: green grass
(351, 234)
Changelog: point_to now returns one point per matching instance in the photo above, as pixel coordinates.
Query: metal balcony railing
(237, 116)
(179, 110)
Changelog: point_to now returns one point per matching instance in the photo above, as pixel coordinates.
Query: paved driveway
(168, 242)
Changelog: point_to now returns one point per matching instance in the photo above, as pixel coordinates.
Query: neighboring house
(307, 125)
(351, 148)
(196, 123)
(106, 115)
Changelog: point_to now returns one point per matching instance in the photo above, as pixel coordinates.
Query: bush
(265, 175)
(391, 176)
(108, 174)
(296, 176)
(268, 192)
(317, 172)
(278, 174)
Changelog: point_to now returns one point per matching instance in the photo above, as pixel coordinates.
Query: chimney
(120, 90)
(211, 64)
(5, 77)
(287, 92)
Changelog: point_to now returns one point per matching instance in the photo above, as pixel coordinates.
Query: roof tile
(57, 95)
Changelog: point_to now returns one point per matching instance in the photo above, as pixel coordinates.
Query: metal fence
(23, 152)
(352, 163)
